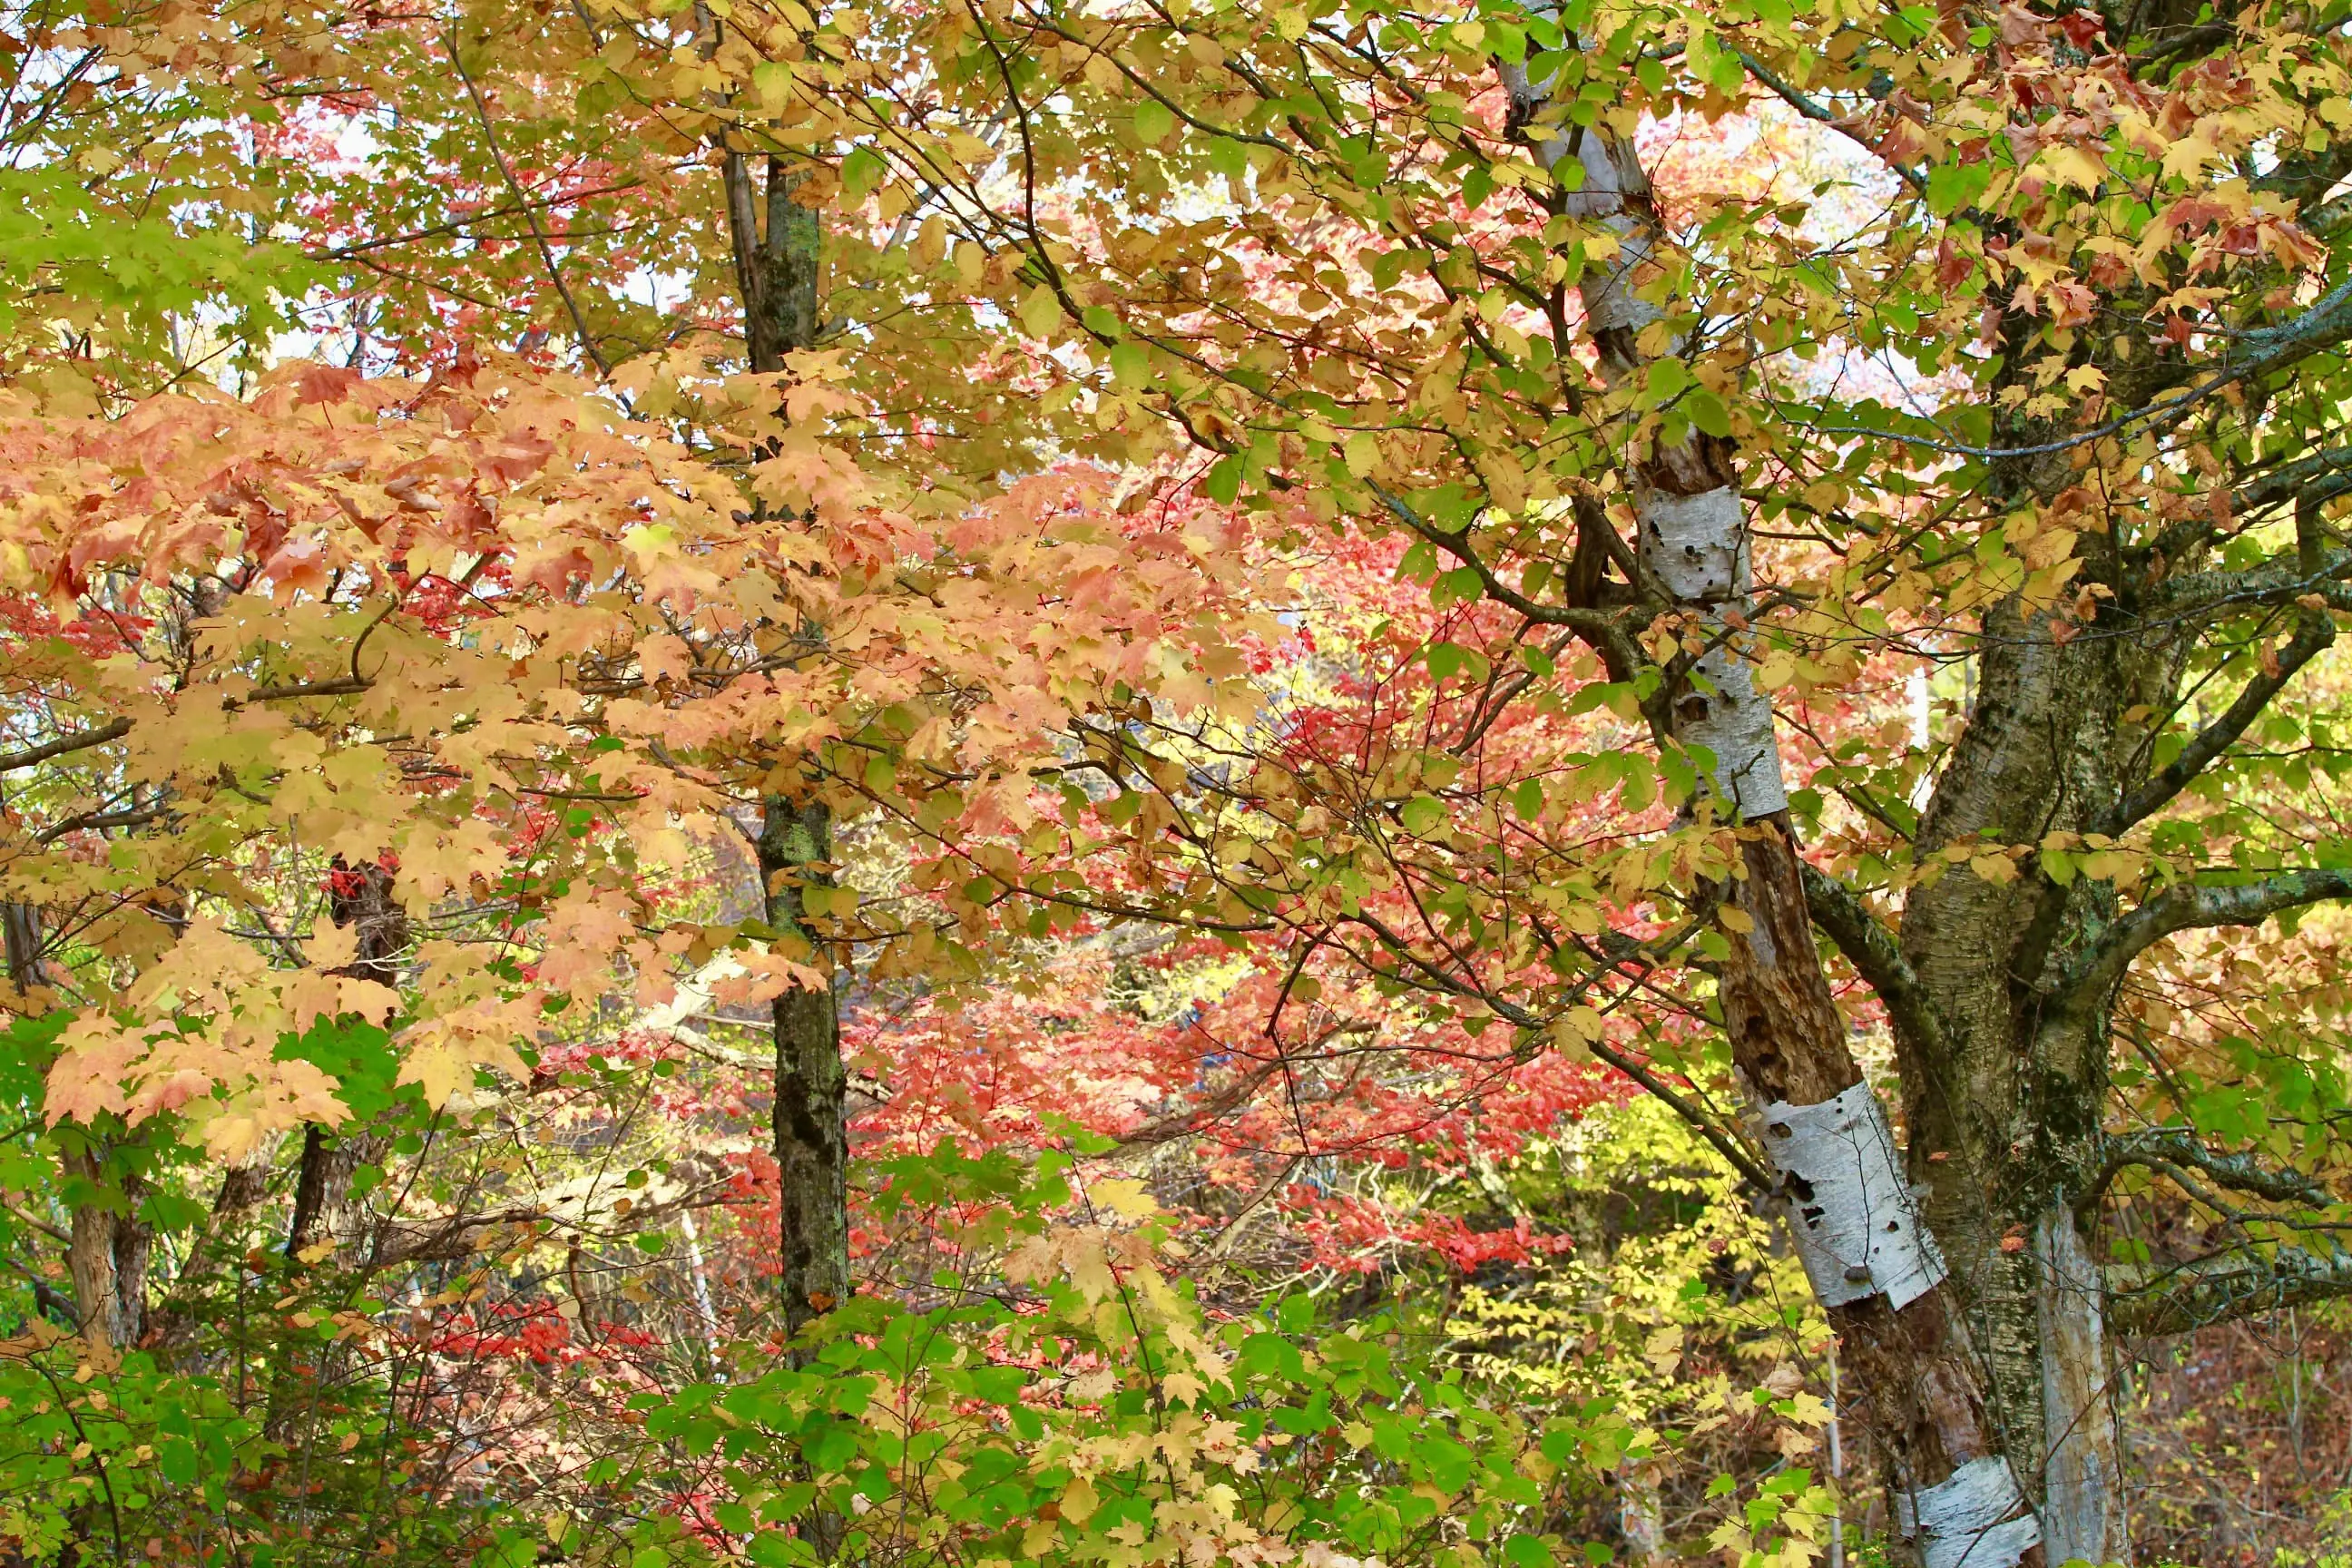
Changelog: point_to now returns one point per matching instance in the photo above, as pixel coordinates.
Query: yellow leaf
(1363, 453)
(441, 1070)
(1041, 313)
(1996, 868)
(1126, 1198)
(2187, 156)
(972, 264)
(2074, 165)
(2049, 549)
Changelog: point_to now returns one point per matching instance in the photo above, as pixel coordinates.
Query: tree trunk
(809, 1118)
(108, 1256)
(108, 1249)
(2082, 1502)
(1909, 1376)
(777, 272)
(2010, 1097)
(20, 925)
(1639, 1515)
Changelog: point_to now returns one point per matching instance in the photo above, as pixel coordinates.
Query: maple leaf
(441, 1070)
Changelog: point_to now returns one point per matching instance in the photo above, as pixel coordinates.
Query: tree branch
(1870, 947)
(2103, 964)
(1814, 110)
(2316, 633)
(529, 216)
(80, 740)
(2326, 323)
(2227, 1285)
(2163, 1148)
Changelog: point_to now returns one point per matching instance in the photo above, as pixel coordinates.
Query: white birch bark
(1694, 545)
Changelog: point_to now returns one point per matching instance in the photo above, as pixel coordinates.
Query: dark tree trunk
(777, 266)
(809, 1119)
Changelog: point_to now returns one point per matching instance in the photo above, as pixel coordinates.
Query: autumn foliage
(933, 783)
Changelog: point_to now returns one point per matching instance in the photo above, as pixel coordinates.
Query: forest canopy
(1174, 782)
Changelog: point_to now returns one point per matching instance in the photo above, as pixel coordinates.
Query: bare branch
(80, 740)
(2316, 633)
(1813, 111)
(2163, 1148)
(1870, 947)
(2103, 964)
(2241, 1282)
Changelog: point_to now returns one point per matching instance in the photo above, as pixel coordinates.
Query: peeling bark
(1909, 1377)
(2082, 1486)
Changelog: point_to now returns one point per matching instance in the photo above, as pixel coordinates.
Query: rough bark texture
(777, 269)
(21, 926)
(108, 1254)
(2005, 1103)
(1910, 1377)
(809, 1118)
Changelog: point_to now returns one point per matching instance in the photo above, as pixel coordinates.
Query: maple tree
(1331, 585)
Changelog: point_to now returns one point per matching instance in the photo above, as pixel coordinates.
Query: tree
(2034, 381)
(2102, 242)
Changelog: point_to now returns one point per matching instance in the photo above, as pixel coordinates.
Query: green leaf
(1041, 313)
(1667, 378)
(861, 173)
(176, 1459)
(1527, 1551)
(1951, 187)
(1706, 411)
(1422, 813)
(1223, 484)
(999, 1384)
